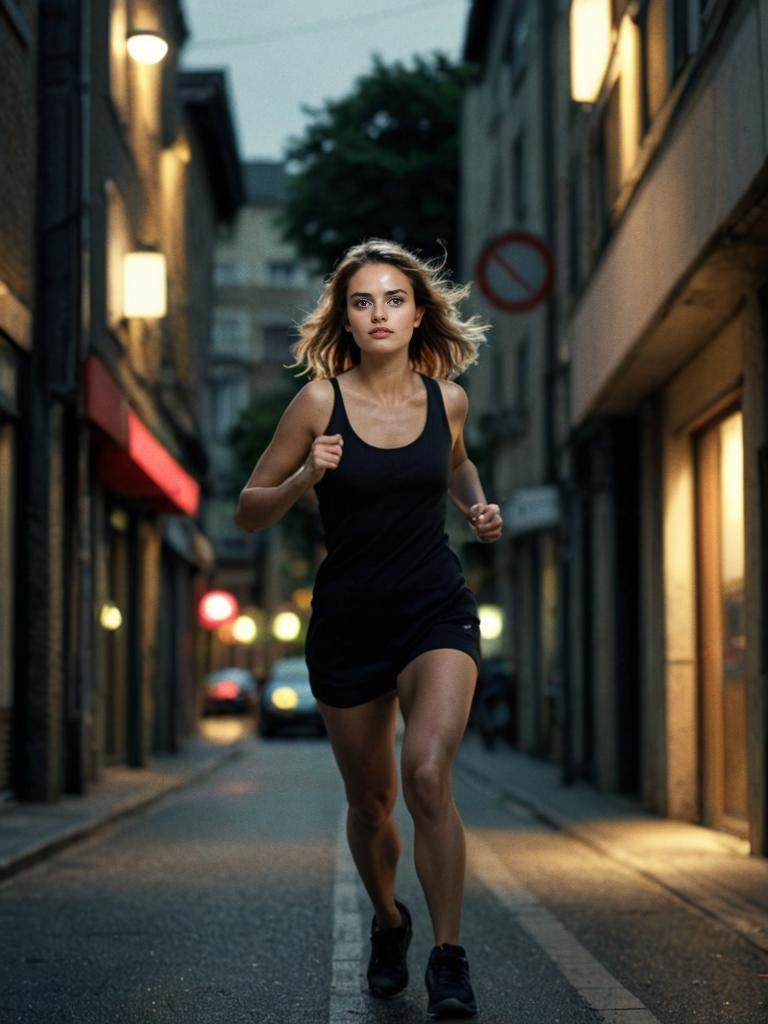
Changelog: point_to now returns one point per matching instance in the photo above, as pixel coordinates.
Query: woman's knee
(427, 787)
(371, 808)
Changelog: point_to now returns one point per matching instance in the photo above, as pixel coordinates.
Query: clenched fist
(324, 454)
(486, 521)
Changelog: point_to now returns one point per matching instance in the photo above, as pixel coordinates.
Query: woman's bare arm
(293, 462)
(464, 486)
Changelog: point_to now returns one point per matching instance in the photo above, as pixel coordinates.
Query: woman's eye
(397, 298)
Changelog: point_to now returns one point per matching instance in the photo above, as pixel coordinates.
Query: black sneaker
(387, 967)
(447, 978)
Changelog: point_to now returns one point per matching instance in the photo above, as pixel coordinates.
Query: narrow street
(234, 900)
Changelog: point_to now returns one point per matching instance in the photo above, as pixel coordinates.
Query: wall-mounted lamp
(590, 33)
(146, 46)
(144, 285)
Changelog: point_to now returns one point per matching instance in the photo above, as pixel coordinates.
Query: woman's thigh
(363, 741)
(436, 690)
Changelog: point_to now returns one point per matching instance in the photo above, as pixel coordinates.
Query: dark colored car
(230, 691)
(286, 700)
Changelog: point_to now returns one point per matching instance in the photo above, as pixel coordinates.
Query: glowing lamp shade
(146, 47)
(286, 626)
(244, 629)
(110, 616)
(590, 36)
(144, 285)
(491, 621)
(215, 608)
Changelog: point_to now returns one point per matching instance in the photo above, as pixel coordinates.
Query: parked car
(230, 691)
(493, 711)
(287, 701)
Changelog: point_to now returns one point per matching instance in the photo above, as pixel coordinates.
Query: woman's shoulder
(454, 396)
(316, 399)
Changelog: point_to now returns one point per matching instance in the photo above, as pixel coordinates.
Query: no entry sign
(515, 271)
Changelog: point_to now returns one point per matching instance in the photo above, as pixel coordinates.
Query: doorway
(721, 626)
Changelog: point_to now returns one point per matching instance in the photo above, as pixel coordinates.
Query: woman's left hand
(486, 521)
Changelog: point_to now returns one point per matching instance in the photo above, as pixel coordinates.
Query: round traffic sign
(515, 271)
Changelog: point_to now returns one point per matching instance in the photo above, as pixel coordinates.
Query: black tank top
(383, 517)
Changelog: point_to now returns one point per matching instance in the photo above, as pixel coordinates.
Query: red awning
(130, 459)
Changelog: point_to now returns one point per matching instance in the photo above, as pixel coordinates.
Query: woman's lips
(381, 333)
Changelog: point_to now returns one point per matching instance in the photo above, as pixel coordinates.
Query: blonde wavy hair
(443, 345)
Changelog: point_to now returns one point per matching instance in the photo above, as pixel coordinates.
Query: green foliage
(380, 162)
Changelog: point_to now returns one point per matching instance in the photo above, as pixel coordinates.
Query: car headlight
(285, 698)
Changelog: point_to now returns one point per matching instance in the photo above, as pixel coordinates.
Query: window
(574, 223)
(227, 272)
(229, 398)
(277, 341)
(119, 242)
(522, 361)
(607, 177)
(519, 178)
(231, 330)
(516, 48)
(666, 44)
(285, 274)
(118, 59)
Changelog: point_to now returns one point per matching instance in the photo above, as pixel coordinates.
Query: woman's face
(381, 311)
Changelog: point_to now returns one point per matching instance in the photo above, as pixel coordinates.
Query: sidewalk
(709, 870)
(31, 831)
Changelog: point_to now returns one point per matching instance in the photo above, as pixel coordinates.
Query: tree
(380, 162)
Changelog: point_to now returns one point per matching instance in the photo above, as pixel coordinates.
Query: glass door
(722, 640)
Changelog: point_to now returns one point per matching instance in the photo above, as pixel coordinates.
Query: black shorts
(350, 665)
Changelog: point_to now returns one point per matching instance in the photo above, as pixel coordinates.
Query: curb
(728, 909)
(47, 847)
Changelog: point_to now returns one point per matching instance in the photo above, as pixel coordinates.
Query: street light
(146, 46)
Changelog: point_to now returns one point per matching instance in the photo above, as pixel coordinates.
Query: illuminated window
(118, 243)
(118, 59)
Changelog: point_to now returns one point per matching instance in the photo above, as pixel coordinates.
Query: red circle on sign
(492, 254)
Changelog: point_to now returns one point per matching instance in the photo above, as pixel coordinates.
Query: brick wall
(17, 154)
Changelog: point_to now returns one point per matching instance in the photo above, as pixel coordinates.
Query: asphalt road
(234, 900)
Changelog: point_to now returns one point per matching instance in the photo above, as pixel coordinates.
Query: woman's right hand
(324, 454)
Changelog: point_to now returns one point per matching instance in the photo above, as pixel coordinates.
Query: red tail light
(225, 690)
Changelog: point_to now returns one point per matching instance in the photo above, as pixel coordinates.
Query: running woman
(378, 433)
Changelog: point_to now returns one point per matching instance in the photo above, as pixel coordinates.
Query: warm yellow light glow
(302, 598)
(590, 37)
(286, 626)
(491, 621)
(630, 116)
(244, 629)
(732, 498)
(110, 616)
(118, 520)
(144, 285)
(147, 47)
(285, 698)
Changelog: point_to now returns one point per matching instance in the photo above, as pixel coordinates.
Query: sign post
(515, 271)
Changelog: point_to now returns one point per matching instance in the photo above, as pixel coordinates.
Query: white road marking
(347, 955)
(597, 986)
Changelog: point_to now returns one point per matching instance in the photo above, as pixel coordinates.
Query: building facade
(668, 386)
(18, 119)
(262, 291)
(516, 391)
(134, 171)
(659, 221)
